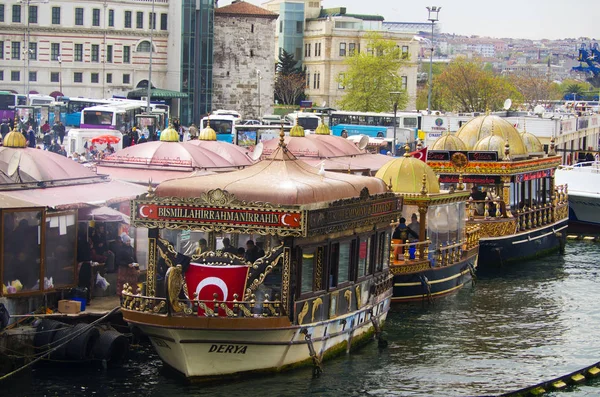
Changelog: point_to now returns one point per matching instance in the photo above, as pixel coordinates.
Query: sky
(526, 19)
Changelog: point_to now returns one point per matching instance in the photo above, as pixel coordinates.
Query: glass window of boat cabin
(60, 250)
(529, 193)
(445, 224)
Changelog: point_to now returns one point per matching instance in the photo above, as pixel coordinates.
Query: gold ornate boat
(521, 212)
(322, 286)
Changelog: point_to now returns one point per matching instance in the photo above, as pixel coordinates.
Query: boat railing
(585, 166)
(206, 308)
(486, 209)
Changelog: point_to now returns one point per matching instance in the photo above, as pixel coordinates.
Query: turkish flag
(420, 154)
(204, 281)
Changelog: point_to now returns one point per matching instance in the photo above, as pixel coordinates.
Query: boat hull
(496, 252)
(434, 282)
(211, 353)
(584, 209)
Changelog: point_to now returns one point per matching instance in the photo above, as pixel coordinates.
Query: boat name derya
(233, 349)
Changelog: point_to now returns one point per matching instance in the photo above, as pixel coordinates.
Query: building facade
(243, 67)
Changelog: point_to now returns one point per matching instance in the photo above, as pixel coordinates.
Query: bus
(73, 107)
(308, 121)
(39, 100)
(375, 125)
(115, 116)
(224, 126)
(8, 101)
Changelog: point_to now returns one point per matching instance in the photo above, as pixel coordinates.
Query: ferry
(521, 211)
(436, 254)
(319, 283)
(583, 181)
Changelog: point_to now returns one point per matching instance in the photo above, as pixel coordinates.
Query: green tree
(466, 86)
(534, 90)
(289, 79)
(287, 64)
(371, 76)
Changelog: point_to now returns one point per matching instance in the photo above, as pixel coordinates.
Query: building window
(1, 12)
(126, 78)
(340, 83)
(298, 54)
(54, 77)
(127, 19)
(404, 53)
(96, 17)
(299, 26)
(15, 75)
(280, 26)
(16, 13)
(78, 77)
(109, 53)
(33, 51)
(95, 53)
(152, 21)
(306, 50)
(2, 72)
(15, 50)
(252, 28)
(33, 15)
(79, 16)
(126, 54)
(307, 79)
(78, 52)
(315, 81)
(342, 49)
(317, 49)
(139, 21)
(109, 78)
(1, 49)
(55, 15)
(111, 18)
(32, 76)
(163, 21)
(144, 46)
(251, 53)
(351, 48)
(404, 83)
(95, 78)
(54, 51)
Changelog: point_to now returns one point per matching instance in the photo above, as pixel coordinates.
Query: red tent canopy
(102, 139)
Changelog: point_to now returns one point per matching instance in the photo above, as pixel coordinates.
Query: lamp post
(258, 86)
(60, 74)
(433, 18)
(395, 97)
(152, 23)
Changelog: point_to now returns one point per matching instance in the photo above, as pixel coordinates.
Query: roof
(241, 8)
(155, 93)
(11, 202)
(341, 12)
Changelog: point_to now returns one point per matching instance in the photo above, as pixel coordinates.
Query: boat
(441, 255)
(583, 181)
(321, 287)
(521, 211)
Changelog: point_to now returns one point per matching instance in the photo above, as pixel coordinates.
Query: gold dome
(448, 142)
(15, 139)
(322, 129)
(405, 174)
(532, 143)
(483, 126)
(207, 134)
(492, 143)
(169, 135)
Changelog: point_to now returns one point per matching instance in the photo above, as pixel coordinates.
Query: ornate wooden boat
(322, 286)
(441, 255)
(515, 201)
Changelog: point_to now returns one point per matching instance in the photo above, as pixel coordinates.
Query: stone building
(243, 66)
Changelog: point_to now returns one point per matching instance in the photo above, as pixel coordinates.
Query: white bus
(116, 116)
(308, 121)
(38, 99)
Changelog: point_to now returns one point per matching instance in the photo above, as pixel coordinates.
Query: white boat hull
(211, 353)
(585, 207)
(583, 181)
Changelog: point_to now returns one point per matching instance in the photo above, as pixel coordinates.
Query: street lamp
(258, 85)
(433, 18)
(60, 74)
(395, 97)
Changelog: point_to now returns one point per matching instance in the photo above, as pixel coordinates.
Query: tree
(465, 86)
(289, 79)
(288, 88)
(371, 76)
(533, 90)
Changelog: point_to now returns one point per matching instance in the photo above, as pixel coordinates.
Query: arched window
(143, 46)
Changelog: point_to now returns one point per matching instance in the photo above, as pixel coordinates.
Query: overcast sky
(530, 19)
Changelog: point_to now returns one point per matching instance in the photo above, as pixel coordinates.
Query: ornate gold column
(151, 270)
(422, 228)
(506, 194)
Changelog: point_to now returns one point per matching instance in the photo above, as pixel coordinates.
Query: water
(537, 322)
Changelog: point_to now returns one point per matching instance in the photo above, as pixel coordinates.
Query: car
(251, 122)
(269, 119)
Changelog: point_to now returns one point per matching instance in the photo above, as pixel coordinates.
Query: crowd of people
(250, 253)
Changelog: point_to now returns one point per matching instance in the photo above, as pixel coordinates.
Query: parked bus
(8, 101)
(38, 99)
(224, 126)
(308, 121)
(115, 116)
(73, 107)
(376, 125)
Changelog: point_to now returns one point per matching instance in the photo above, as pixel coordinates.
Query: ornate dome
(15, 139)
(207, 134)
(322, 129)
(492, 143)
(405, 174)
(169, 135)
(297, 130)
(532, 143)
(483, 126)
(448, 142)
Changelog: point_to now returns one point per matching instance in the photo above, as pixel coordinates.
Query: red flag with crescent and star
(204, 281)
(420, 154)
